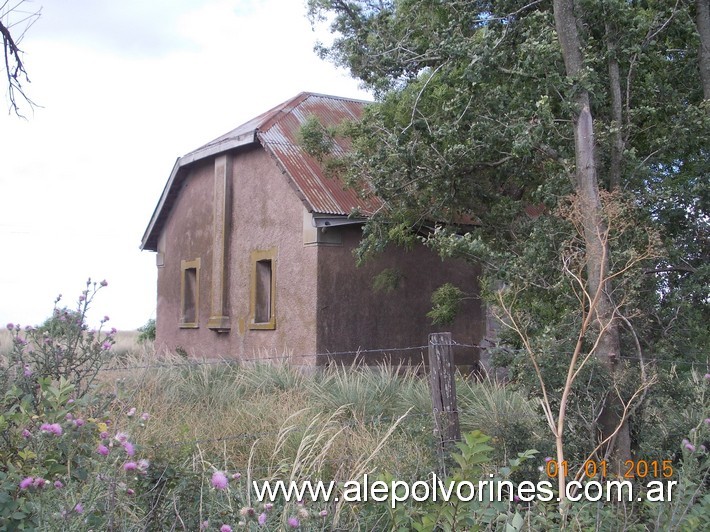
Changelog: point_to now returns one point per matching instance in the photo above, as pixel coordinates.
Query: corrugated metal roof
(277, 130)
(322, 194)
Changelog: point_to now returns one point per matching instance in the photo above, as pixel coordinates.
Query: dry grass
(282, 421)
(127, 342)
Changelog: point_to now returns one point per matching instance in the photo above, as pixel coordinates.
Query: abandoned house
(254, 249)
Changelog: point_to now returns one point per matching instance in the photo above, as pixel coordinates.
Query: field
(193, 418)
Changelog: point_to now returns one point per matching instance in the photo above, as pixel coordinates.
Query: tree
(487, 108)
(14, 22)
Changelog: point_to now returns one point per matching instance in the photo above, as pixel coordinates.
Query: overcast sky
(126, 87)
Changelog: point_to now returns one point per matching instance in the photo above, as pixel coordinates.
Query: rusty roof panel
(324, 195)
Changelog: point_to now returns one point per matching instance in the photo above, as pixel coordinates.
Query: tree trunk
(594, 227)
(617, 146)
(702, 21)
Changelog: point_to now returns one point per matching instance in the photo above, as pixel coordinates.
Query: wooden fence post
(443, 390)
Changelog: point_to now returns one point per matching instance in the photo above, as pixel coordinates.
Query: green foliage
(463, 511)
(445, 304)
(147, 332)
(315, 139)
(49, 461)
(507, 415)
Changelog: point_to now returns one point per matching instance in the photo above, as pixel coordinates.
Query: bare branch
(15, 71)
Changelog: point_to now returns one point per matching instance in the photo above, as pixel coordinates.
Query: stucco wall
(265, 215)
(352, 315)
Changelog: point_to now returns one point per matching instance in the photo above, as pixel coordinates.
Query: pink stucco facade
(265, 215)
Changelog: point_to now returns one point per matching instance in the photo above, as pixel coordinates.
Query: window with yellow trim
(189, 293)
(263, 290)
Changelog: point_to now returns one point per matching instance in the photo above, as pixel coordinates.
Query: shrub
(63, 347)
(147, 332)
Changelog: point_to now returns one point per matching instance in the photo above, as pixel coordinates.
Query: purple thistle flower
(128, 447)
(106, 346)
(121, 437)
(26, 483)
(82, 297)
(145, 416)
(262, 519)
(707, 421)
(104, 435)
(53, 428)
(10, 326)
(323, 513)
(26, 434)
(104, 283)
(129, 491)
(268, 506)
(293, 522)
(690, 447)
(204, 525)
(143, 464)
(707, 376)
(58, 484)
(39, 482)
(219, 480)
(27, 372)
(548, 459)
(236, 476)
(225, 528)
(79, 508)
(130, 466)
(106, 318)
(102, 450)
(79, 422)
(131, 412)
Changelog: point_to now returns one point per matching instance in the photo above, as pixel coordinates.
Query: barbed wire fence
(332, 356)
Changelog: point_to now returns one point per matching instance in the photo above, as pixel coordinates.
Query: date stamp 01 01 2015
(632, 469)
(655, 473)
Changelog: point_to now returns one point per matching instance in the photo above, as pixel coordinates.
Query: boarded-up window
(189, 293)
(263, 287)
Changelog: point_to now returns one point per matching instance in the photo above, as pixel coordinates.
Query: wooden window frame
(186, 265)
(256, 257)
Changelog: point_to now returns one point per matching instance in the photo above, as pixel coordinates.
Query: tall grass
(264, 413)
